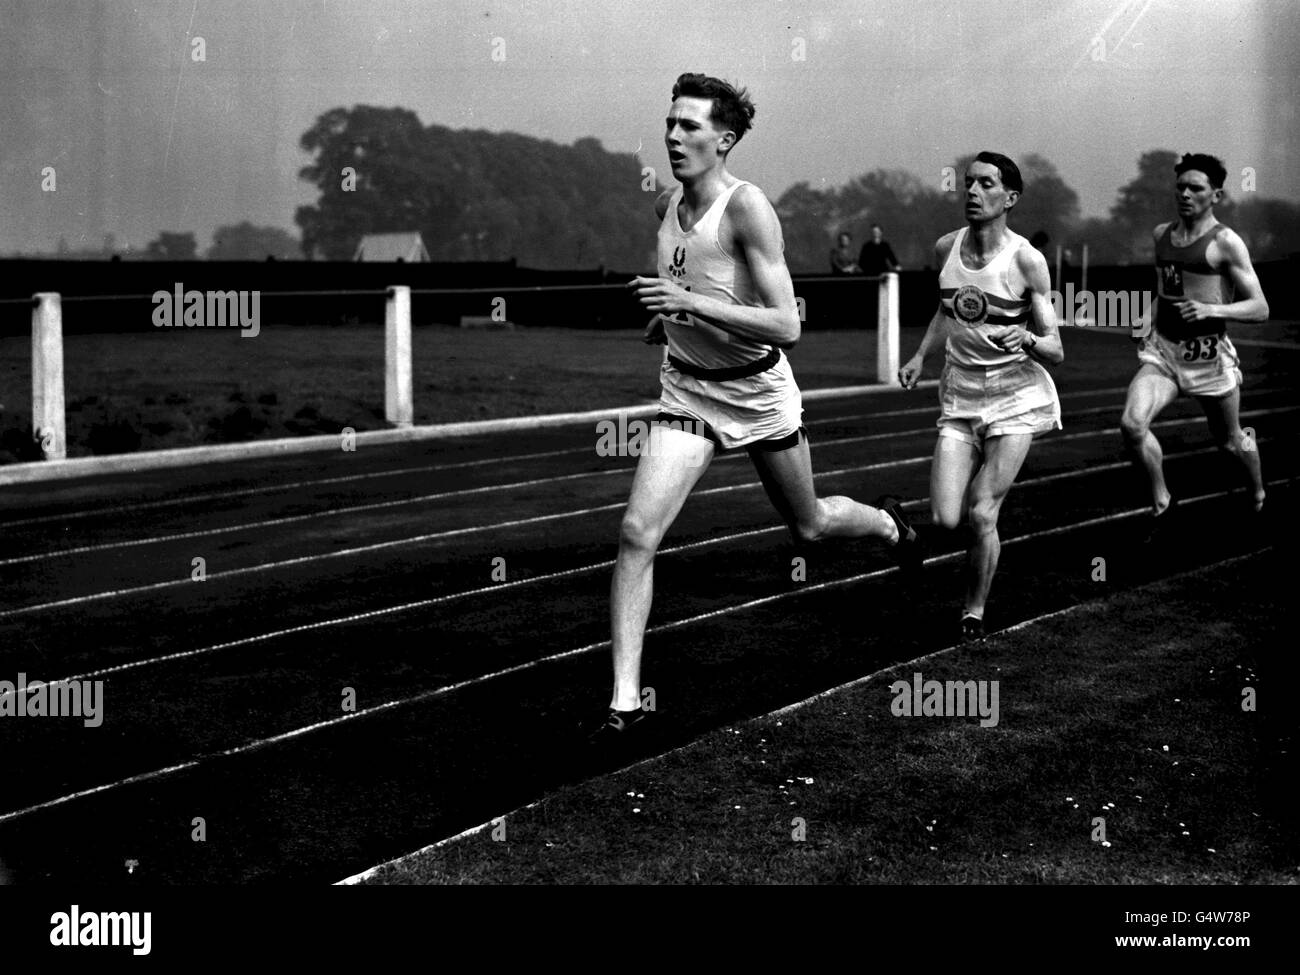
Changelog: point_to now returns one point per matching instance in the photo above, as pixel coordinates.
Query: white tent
(408, 247)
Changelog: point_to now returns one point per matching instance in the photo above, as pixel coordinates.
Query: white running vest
(979, 302)
(696, 261)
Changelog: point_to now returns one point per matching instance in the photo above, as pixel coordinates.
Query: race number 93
(1205, 348)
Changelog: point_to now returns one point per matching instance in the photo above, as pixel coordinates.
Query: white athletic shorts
(767, 406)
(1203, 366)
(978, 403)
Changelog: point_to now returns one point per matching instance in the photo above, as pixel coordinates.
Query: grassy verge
(157, 390)
(1128, 710)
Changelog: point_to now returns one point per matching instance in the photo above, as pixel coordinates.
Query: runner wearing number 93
(1200, 266)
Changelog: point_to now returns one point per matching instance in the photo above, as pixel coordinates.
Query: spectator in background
(877, 256)
(842, 261)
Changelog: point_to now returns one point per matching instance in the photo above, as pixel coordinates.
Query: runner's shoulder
(751, 214)
(1160, 229)
(749, 201)
(1029, 259)
(943, 246)
(1228, 243)
(663, 200)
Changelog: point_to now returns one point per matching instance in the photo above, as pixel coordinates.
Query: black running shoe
(617, 728)
(907, 553)
(972, 629)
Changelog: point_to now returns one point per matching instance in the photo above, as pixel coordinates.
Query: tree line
(480, 196)
(914, 213)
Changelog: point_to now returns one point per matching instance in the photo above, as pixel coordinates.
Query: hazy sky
(144, 139)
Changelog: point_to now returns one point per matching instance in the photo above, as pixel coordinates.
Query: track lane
(300, 677)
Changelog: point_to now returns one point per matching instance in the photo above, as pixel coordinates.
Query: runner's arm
(1146, 321)
(910, 373)
(1254, 306)
(655, 333)
(1046, 344)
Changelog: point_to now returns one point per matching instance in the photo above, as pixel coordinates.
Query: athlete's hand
(1194, 311)
(1009, 338)
(654, 332)
(910, 374)
(662, 295)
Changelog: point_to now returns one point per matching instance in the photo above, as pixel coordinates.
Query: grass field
(151, 391)
(157, 390)
(1126, 709)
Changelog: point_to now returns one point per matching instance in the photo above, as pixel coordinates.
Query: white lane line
(531, 664)
(366, 874)
(442, 495)
(427, 468)
(279, 487)
(519, 522)
(407, 607)
(432, 536)
(309, 516)
(402, 502)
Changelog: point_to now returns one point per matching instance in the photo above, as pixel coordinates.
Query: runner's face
(1194, 195)
(986, 197)
(691, 137)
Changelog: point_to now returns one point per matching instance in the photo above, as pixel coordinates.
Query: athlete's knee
(1134, 428)
(984, 515)
(944, 518)
(1234, 442)
(639, 534)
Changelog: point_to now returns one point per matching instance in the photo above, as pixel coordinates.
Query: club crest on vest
(1171, 275)
(970, 305)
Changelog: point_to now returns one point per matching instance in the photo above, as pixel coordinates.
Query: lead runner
(725, 307)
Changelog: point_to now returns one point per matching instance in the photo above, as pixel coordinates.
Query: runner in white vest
(994, 394)
(724, 304)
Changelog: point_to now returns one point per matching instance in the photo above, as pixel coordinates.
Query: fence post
(47, 376)
(397, 357)
(887, 329)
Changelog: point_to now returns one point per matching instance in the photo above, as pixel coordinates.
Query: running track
(373, 571)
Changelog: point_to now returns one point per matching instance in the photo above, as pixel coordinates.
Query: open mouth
(676, 157)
